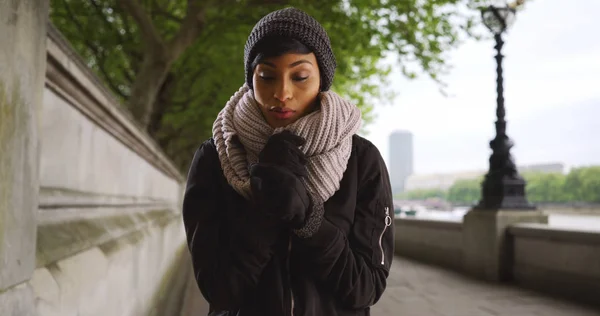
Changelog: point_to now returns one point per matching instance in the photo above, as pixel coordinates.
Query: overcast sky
(552, 92)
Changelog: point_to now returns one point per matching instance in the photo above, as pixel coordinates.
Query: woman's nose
(283, 91)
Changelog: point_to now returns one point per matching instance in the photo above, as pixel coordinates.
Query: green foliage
(465, 191)
(546, 187)
(579, 185)
(201, 80)
(107, 39)
(583, 184)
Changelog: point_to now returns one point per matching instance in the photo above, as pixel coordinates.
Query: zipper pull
(388, 223)
(388, 218)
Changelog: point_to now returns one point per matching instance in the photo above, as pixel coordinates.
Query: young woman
(287, 211)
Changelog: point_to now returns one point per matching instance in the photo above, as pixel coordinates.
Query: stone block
(66, 238)
(47, 293)
(22, 72)
(121, 277)
(173, 236)
(82, 281)
(487, 246)
(145, 269)
(17, 301)
(131, 275)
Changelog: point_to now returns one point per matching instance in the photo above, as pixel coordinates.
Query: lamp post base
(503, 192)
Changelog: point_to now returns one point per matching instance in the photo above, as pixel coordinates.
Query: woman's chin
(275, 122)
(279, 123)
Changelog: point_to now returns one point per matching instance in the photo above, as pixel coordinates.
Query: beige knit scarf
(240, 132)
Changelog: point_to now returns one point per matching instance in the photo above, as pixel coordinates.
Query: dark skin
(286, 87)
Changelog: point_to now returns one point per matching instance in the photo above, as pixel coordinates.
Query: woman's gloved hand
(275, 180)
(282, 149)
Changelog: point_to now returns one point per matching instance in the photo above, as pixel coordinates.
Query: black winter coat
(247, 264)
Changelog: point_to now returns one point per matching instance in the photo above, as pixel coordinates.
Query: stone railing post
(22, 75)
(487, 247)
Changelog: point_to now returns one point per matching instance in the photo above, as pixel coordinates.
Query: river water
(578, 222)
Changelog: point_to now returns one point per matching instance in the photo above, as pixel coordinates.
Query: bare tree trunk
(146, 87)
(161, 103)
(159, 55)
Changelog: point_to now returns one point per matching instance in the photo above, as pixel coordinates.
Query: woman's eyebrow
(294, 64)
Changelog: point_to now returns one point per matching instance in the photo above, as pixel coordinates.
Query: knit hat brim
(296, 24)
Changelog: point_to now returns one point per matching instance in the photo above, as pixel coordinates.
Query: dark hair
(275, 46)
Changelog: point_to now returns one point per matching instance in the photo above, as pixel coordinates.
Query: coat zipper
(388, 222)
(290, 278)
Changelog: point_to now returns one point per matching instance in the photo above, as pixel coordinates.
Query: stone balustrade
(558, 261)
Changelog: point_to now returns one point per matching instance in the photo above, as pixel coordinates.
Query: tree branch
(100, 56)
(157, 9)
(121, 40)
(190, 28)
(150, 35)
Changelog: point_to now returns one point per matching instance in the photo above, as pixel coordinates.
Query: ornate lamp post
(503, 187)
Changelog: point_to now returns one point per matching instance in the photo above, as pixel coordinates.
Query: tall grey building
(401, 159)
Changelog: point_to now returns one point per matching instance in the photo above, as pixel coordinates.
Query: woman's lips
(282, 114)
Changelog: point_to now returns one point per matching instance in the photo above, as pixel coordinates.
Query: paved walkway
(416, 289)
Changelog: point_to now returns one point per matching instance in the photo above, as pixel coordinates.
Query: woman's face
(286, 87)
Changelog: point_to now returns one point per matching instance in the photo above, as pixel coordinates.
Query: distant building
(544, 168)
(444, 181)
(401, 159)
(441, 181)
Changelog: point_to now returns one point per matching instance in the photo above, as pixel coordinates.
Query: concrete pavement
(417, 289)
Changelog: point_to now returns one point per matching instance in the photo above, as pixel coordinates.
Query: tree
(175, 63)
(465, 191)
(581, 184)
(545, 187)
(591, 185)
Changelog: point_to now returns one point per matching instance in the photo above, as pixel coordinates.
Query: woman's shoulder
(365, 149)
(369, 161)
(208, 145)
(206, 155)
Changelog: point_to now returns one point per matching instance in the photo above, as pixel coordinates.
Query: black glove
(279, 193)
(282, 150)
(276, 179)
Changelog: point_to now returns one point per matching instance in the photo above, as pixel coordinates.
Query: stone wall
(110, 238)
(434, 241)
(90, 220)
(558, 261)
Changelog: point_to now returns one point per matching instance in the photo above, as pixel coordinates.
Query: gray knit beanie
(299, 25)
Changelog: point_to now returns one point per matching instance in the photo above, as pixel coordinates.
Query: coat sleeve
(356, 267)
(228, 252)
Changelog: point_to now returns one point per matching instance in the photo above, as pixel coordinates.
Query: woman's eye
(300, 78)
(267, 78)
